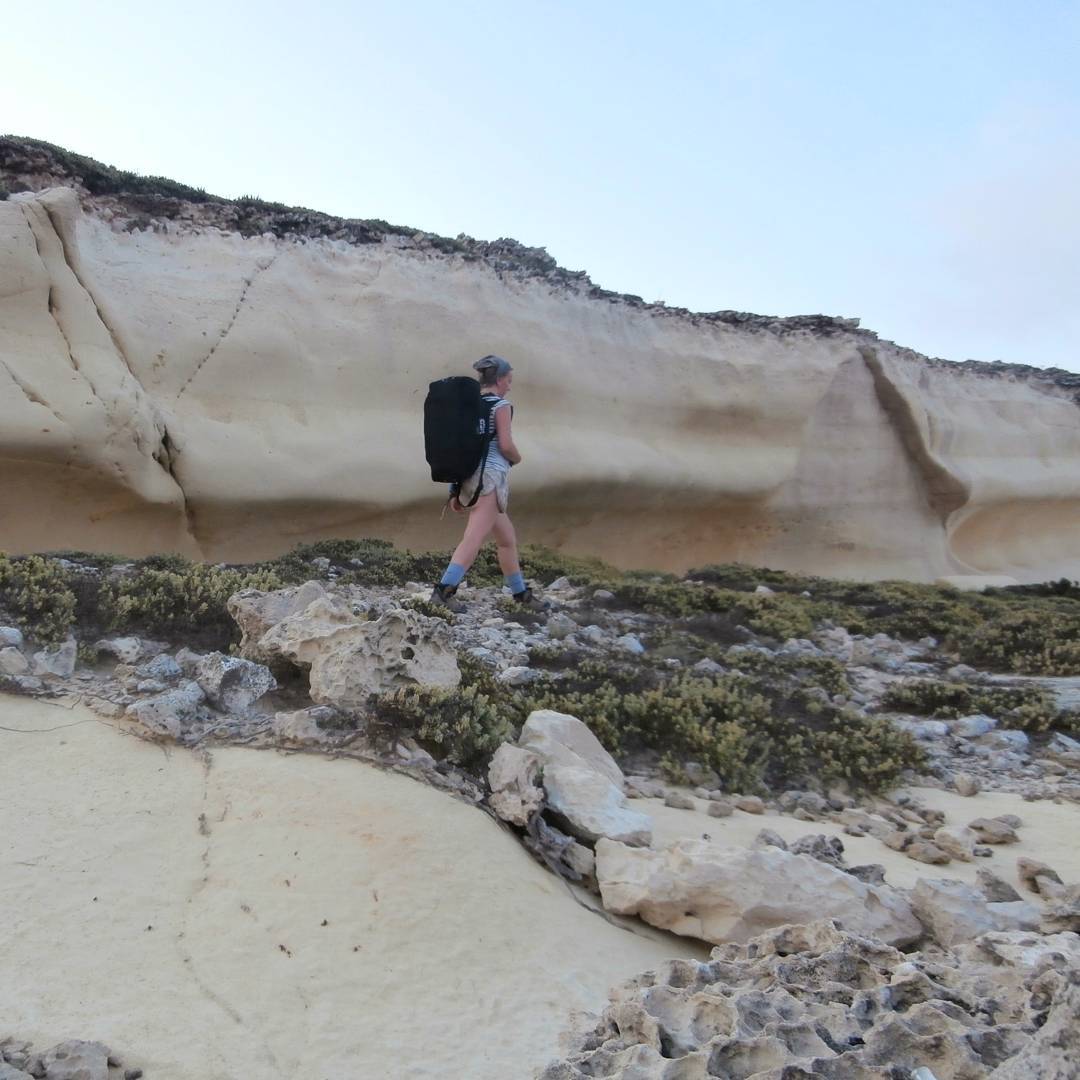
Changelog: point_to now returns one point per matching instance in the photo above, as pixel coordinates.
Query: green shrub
(382, 563)
(427, 607)
(1036, 641)
(186, 600)
(1026, 708)
(37, 594)
(719, 724)
(865, 751)
(465, 725)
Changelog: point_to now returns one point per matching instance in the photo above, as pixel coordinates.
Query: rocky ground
(965, 979)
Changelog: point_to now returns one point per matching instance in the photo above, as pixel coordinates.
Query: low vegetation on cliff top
(773, 723)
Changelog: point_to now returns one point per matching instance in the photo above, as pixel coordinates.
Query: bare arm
(504, 438)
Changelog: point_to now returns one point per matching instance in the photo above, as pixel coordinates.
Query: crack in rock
(248, 282)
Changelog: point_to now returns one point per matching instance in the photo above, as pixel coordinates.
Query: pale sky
(914, 164)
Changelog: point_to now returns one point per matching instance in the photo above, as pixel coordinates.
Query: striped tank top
(495, 459)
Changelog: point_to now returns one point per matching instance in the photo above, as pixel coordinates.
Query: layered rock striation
(226, 379)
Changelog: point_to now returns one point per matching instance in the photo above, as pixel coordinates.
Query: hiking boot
(443, 595)
(527, 598)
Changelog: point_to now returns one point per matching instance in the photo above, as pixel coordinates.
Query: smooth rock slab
(718, 894)
(592, 807)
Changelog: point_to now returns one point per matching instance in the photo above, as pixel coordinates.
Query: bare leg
(506, 544)
(481, 519)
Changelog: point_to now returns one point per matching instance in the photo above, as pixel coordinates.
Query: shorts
(496, 481)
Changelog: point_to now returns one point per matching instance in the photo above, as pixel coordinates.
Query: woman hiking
(487, 516)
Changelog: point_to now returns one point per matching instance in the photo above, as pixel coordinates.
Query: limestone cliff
(227, 379)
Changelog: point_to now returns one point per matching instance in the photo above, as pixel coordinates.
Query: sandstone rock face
(186, 390)
(592, 807)
(718, 894)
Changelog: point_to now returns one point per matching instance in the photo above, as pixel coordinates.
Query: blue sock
(453, 575)
(516, 582)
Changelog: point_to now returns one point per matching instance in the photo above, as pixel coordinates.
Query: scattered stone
(301, 727)
(519, 676)
(232, 683)
(951, 911)
(898, 840)
(631, 644)
(678, 801)
(591, 807)
(641, 787)
(750, 804)
(719, 808)
(1062, 912)
(956, 841)
(1030, 871)
(924, 730)
(168, 714)
(11, 637)
(718, 894)
(971, 727)
(768, 838)
(12, 661)
(966, 784)
(603, 596)
(127, 650)
(826, 849)
(560, 625)
(925, 851)
(76, 1060)
(709, 668)
(163, 667)
(58, 660)
(995, 889)
(993, 831)
(871, 873)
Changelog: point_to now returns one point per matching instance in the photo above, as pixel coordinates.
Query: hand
(455, 505)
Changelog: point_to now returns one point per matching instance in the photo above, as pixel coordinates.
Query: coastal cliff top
(29, 165)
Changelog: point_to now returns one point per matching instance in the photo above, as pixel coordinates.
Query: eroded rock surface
(818, 1001)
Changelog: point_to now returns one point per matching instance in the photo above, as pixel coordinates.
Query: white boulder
(592, 807)
(560, 739)
(719, 894)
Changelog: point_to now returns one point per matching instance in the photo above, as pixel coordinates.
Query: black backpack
(458, 427)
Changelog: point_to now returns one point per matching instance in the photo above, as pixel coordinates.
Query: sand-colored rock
(228, 396)
(257, 942)
(719, 895)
